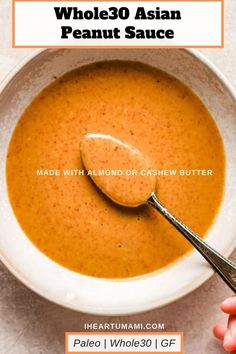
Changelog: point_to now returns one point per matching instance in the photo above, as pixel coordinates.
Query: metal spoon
(93, 147)
(223, 266)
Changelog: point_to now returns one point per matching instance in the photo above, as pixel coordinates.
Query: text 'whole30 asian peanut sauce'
(66, 216)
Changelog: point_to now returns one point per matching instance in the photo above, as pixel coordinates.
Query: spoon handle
(224, 267)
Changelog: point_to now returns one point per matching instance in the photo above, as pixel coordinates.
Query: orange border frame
(111, 46)
(124, 333)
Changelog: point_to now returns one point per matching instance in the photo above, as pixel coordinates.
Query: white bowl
(101, 296)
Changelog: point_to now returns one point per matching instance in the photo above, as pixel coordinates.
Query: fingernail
(227, 301)
(227, 339)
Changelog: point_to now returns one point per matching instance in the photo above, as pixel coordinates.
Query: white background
(32, 325)
(36, 24)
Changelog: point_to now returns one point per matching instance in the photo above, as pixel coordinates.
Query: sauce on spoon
(118, 169)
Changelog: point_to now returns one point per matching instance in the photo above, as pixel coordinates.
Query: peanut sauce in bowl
(66, 217)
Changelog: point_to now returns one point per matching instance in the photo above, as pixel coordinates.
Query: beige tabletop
(30, 324)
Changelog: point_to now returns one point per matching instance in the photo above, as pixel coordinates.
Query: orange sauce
(67, 217)
(118, 169)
